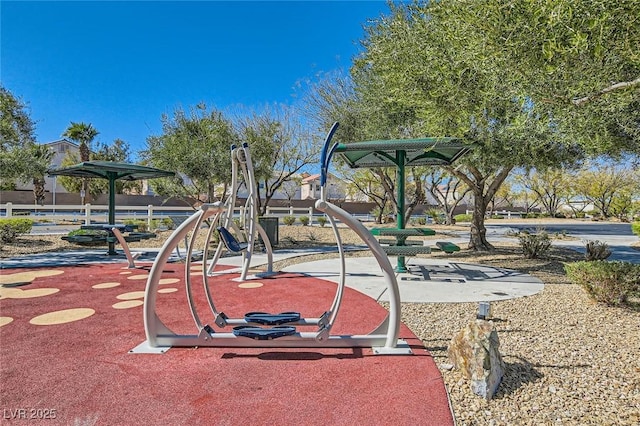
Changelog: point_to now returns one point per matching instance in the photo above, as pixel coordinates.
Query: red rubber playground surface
(66, 332)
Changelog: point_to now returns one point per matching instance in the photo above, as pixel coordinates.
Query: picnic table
(401, 246)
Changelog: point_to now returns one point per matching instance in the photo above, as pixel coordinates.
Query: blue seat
(230, 241)
(259, 333)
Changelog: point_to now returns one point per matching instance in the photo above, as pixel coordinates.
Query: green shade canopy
(112, 171)
(416, 152)
(401, 153)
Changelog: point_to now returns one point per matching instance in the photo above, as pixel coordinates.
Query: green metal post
(112, 210)
(400, 159)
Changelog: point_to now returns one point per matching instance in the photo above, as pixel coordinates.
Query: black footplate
(272, 319)
(258, 333)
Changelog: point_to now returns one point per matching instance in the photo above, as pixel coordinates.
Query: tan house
(60, 149)
(310, 187)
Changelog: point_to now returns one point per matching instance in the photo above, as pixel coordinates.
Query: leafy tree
(335, 98)
(550, 187)
(425, 70)
(602, 185)
(367, 182)
(279, 149)
(41, 157)
(579, 58)
(83, 134)
(195, 144)
(21, 158)
(447, 191)
(290, 188)
(118, 151)
(17, 134)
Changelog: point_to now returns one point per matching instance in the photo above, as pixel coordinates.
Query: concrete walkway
(428, 280)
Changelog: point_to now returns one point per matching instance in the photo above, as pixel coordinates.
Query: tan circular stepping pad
(5, 320)
(138, 277)
(127, 304)
(7, 293)
(250, 285)
(196, 268)
(62, 317)
(106, 285)
(29, 276)
(16, 293)
(125, 273)
(130, 295)
(167, 290)
(168, 281)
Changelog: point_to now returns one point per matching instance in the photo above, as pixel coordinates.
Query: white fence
(88, 213)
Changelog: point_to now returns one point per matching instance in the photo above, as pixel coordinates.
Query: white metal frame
(384, 339)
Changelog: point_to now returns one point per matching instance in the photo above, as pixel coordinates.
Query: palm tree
(83, 134)
(41, 157)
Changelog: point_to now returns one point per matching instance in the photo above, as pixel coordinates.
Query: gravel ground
(569, 361)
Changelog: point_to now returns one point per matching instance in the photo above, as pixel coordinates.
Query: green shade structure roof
(401, 153)
(417, 152)
(110, 170)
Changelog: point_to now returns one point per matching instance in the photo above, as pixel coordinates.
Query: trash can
(270, 226)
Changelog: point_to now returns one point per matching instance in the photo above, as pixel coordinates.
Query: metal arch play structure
(259, 329)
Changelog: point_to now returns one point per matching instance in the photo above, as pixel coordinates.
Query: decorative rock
(474, 351)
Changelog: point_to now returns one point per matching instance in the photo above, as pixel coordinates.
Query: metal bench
(85, 239)
(407, 232)
(406, 250)
(406, 242)
(447, 247)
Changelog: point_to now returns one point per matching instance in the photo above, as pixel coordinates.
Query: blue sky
(121, 65)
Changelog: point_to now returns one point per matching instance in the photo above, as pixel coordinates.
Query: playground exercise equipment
(226, 226)
(261, 329)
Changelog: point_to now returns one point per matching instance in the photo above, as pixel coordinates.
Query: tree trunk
(478, 240)
(38, 190)
(85, 153)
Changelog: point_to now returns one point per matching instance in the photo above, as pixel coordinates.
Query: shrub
(463, 217)
(141, 225)
(436, 216)
(8, 234)
(322, 220)
(635, 228)
(534, 245)
(11, 228)
(419, 221)
(162, 223)
(289, 220)
(606, 282)
(596, 250)
(580, 215)
(304, 220)
(290, 240)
